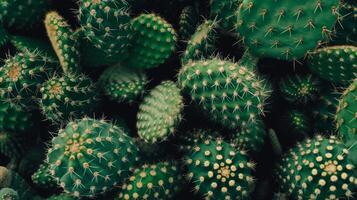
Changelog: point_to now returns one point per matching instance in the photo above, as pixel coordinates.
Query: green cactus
(317, 168)
(62, 196)
(106, 24)
(188, 21)
(64, 42)
(220, 171)
(202, 42)
(225, 12)
(8, 194)
(286, 30)
(153, 42)
(298, 123)
(22, 75)
(91, 156)
(300, 89)
(187, 141)
(122, 84)
(160, 112)
(346, 118)
(10, 179)
(68, 96)
(157, 181)
(251, 137)
(324, 111)
(346, 31)
(42, 177)
(337, 64)
(12, 145)
(232, 94)
(14, 118)
(23, 44)
(23, 14)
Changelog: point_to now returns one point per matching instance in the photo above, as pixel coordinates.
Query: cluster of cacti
(178, 99)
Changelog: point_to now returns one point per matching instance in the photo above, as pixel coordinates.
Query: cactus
(90, 156)
(337, 64)
(122, 84)
(232, 94)
(202, 42)
(346, 31)
(10, 179)
(106, 24)
(285, 30)
(64, 42)
(187, 141)
(23, 14)
(251, 137)
(8, 194)
(12, 145)
(324, 111)
(153, 42)
(317, 168)
(22, 75)
(300, 89)
(157, 181)
(298, 123)
(220, 171)
(225, 12)
(4, 37)
(346, 118)
(160, 112)
(24, 44)
(14, 118)
(43, 178)
(69, 96)
(188, 21)
(62, 196)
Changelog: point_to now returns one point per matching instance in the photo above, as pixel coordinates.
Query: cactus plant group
(178, 99)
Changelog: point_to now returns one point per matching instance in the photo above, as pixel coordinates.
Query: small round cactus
(91, 156)
(220, 171)
(68, 96)
(300, 89)
(251, 136)
(337, 64)
(22, 76)
(188, 21)
(14, 118)
(42, 177)
(64, 42)
(122, 84)
(106, 23)
(8, 194)
(160, 112)
(153, 42)
(232, 94)
(298, 123)
(286, 30)
(156, 181)
(317, 168)
(202, 42)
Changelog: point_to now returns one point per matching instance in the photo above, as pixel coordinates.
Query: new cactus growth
(251, 137)
(337, 64)
(122, 84)
(317, 168)
(285, 30)
(188, 21)
(160, 112)
(64, 42)
(69, 96)
(225, 12)
(298, 123)
(91, 156)
(23, 14)
(106, 24)
(232, 94)
(14, 118)
(220, 171)
(22, 76)
(300, 89)
(8, 194)
(12, 145)
(156, 181)
(202, 42)
(154, 41)
(43, 178)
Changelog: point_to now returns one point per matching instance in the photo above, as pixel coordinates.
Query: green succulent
(42, 177)
(225, 12)
(8, 194)
(188, 21)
